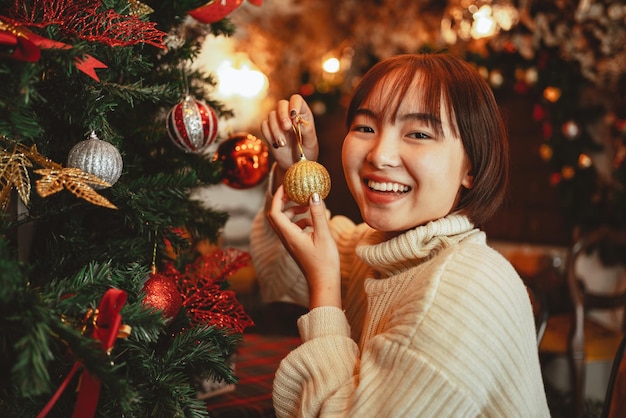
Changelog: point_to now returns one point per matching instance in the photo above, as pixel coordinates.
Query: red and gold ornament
(245, 161)
(192, 125)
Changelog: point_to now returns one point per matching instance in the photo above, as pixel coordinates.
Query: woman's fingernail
(281, 142)
(316, 198)
(275, 145)
(293, 113)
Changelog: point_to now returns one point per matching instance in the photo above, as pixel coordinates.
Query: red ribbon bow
(106, 330)
(23, 45)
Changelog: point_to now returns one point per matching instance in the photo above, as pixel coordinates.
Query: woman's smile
(387, 186)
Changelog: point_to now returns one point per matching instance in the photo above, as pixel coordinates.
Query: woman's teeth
(387, 187)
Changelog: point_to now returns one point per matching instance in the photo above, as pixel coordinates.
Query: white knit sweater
(436, 324)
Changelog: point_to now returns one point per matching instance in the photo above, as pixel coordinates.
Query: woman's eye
(419, 135)
(363, 128)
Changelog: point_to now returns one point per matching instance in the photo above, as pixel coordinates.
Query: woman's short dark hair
(470, 105)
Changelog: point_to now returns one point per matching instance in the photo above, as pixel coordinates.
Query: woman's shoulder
(478, 274)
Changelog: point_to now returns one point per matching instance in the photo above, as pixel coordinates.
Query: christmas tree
(105, 303)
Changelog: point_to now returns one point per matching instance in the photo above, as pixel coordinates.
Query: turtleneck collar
(395, 255)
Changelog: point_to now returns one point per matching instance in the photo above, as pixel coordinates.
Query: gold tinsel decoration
(14, 173)
(305, 177)
(139, 9)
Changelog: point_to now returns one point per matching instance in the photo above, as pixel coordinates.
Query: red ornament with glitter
(161, 293)
(192, 125)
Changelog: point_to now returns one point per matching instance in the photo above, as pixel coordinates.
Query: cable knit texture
(436, 324)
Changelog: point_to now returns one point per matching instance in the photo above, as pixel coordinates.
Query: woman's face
(401, 172)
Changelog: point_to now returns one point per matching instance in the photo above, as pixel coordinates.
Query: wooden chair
(577, 335)
(615, 400)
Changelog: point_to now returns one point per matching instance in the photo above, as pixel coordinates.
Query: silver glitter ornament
(97, 157)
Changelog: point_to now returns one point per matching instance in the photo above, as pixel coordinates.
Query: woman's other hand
(310, 243)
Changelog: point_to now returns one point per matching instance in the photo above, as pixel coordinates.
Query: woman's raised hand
(278, 130)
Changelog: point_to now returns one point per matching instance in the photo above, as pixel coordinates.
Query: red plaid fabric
(256, 362)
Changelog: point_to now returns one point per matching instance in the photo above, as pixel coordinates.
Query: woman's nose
(384, 152)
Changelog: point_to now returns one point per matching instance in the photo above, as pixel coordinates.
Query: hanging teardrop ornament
(305, 177)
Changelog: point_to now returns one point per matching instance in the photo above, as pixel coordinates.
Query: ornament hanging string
(154, 253)
(296, 125)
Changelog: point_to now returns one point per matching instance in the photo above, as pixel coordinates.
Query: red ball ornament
(192, 125)
(245, 161)
(163, 294)
(215, 10)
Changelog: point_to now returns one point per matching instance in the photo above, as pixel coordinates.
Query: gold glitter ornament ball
(305, 178)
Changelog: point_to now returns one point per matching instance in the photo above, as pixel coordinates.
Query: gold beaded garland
(305, 177)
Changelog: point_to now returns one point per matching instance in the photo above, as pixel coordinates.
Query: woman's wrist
(327, 294)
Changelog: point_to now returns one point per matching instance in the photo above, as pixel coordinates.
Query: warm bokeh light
(484, 25)
(243, 81)
(545, 152)
(241, 86)
(584, 161)
(568, 172)
(551, 94)
(331, 65)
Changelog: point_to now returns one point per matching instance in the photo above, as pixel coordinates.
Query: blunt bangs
(390, 81)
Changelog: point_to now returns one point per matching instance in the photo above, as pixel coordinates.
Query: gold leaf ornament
(305, 177)
(14, 173)
(75, 180)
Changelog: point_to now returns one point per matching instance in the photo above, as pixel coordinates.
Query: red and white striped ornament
(192, 125)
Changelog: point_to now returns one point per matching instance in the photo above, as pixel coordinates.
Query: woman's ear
(468, 180)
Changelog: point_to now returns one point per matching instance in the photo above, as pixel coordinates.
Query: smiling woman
(390, 300)
(437, 138)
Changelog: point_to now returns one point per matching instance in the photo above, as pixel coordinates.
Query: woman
(410, 313)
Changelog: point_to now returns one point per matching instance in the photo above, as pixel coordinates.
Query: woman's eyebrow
(419, 116)
(363, 111)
